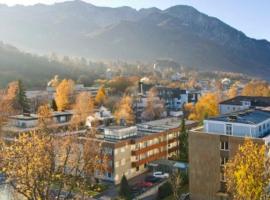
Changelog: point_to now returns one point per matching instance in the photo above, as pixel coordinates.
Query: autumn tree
(7, 102)
(207, 106)
(247, 173)
(232, 92)
(83, 107)
(101, 96)
(45, 118)
(63, 96)
(256, 88)
(176, 181)
(36, 163)
(124, 112)
(154, 107)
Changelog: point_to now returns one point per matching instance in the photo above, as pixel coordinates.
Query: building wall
(205, 163)
(204, 166)
(224, 109)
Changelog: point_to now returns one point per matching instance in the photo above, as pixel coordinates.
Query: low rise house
(27, 122)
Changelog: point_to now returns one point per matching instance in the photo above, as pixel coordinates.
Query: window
(123, 161)
(260, 128)
(228, 129)
(224, 145)
(223, 160)
(137, 169)
(222, 177)
(109, 174)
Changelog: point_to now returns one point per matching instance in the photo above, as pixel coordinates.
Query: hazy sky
(250, 16)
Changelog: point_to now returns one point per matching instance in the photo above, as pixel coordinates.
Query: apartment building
(211, 146)
(173, 98)
(243, 102)
(131, 149)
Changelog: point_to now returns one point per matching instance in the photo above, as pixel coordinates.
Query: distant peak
(179, 8)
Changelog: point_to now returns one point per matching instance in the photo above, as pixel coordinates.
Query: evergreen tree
(54, 106)
(183, 142)
(124, 191)
(22, 101)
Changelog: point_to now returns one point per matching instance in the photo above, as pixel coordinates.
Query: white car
(160, 175)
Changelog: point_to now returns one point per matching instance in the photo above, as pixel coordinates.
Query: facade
(28, 122)
(173, 98)
(133, 148)
(211, 146)
(243, 102)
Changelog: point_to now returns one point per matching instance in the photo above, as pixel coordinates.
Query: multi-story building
(173, 98)
(212, 145)
(131, 149)
(242, 103)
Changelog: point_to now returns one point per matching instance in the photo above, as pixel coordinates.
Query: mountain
(180, 33)
(35, 71)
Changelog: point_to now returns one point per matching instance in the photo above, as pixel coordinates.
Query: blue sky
(250, 16)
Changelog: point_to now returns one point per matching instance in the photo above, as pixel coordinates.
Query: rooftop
(256, 101)
(161, 125)
(250, 116)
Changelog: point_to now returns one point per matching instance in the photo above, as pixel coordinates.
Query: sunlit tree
(124, 112)
(247, 173)
(83, 107)
(155, 106)
(64, 92)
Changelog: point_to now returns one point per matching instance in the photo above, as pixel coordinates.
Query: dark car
(152, 179)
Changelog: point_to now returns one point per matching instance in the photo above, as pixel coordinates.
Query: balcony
(149, 159)
(143, 150)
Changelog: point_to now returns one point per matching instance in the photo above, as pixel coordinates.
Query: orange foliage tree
(207, 106)
(256, 88)
(64, 92)
(247, 173)
(82, 109)
(155, 107)
(124, 111)
(101, 96)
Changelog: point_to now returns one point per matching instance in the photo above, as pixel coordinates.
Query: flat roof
(161, 125)
(249, 116)
(257, 101)
(33, 116)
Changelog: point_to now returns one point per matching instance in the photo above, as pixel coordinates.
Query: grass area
(183, 190)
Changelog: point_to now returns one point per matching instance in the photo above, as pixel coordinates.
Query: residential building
(211, 146)
(28, 122)
(173, 98)
(242, 103)
(131, 149)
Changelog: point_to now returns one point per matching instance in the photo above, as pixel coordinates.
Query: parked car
(152, 179)
(160, 175)
(145, 184)
(185, 197)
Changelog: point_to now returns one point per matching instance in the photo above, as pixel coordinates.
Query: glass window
(224, 145)
(228, 129)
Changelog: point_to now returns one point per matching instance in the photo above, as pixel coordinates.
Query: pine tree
(124, 191)
(22, 101)
(54, 106)
(183, 142)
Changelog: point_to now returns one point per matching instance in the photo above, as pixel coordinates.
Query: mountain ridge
(181, 33)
